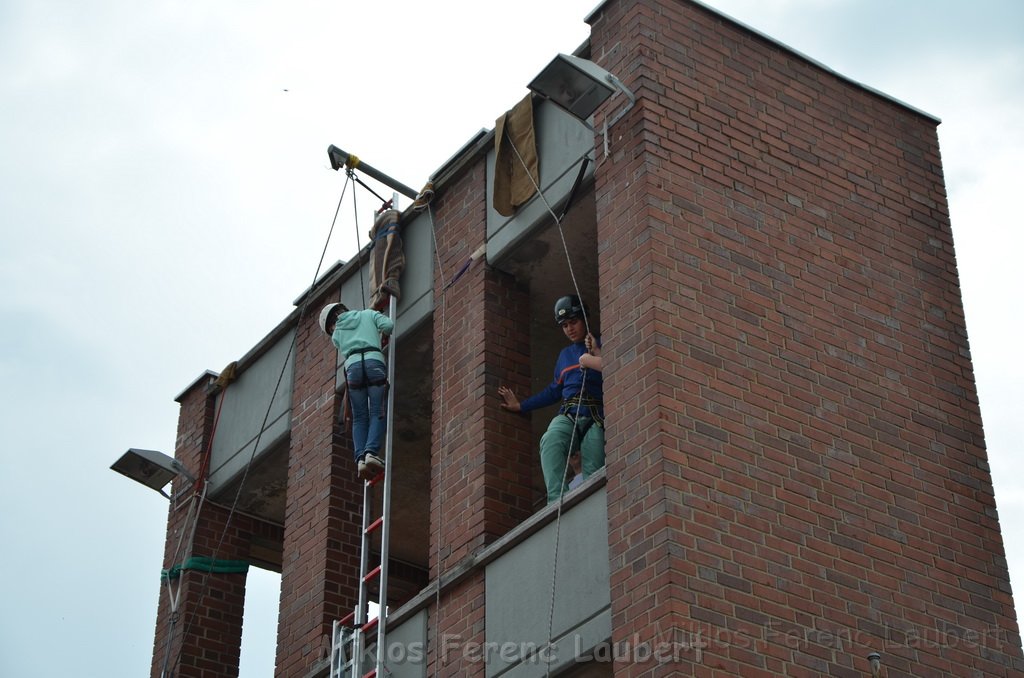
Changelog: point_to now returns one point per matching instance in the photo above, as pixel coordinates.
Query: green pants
(554, 451)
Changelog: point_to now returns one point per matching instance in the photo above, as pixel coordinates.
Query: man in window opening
(578, 384)
(356, 334)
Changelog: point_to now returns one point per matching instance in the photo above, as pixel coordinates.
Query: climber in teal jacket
(357, 336)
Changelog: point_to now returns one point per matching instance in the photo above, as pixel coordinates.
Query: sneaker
(372, 464)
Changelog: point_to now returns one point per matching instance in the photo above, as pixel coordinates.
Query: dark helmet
(569, 307)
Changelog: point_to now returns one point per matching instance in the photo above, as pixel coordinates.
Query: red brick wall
(481, 456)
(511, 452)
(211, 612)
(193, 421)
(206, 628)
(459, 335)
(320, 571)
(796, 465)
(484, 485)
(451, 647)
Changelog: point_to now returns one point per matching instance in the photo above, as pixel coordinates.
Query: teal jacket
(357, 330)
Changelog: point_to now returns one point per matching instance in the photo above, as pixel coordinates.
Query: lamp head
(577, 85)
(150, 468)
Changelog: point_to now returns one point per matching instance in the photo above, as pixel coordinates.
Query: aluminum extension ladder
(354, 629)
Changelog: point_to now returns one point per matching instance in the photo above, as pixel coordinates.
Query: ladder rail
(339, 661)
(360, 619)
(361, 625)
(385, 534)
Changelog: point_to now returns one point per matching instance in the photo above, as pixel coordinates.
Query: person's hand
(592, 359)
(509, 400)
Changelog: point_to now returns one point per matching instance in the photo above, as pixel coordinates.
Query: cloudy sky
(165, 195)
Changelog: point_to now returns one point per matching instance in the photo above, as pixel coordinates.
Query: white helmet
(326, 313)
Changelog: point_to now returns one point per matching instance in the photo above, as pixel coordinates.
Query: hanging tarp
(515, 158)
(204, 564)
(387, 259)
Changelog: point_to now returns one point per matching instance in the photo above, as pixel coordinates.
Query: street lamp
(579, 86)
(151, 468)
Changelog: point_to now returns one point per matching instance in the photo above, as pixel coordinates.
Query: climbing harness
(361, 352)
(593, 407)
(367, 383)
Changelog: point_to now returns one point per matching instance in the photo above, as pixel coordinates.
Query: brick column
(320, 569)
(796, 467)
(481, 456)
(646, 526)
(206, 627)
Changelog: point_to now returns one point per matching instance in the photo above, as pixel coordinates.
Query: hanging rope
(561, 232)
(248, 466)
(583, 376)
(444, 429)
(173, 596)
(420, 205)
(196, 501)
(359, 246)
(385, 204)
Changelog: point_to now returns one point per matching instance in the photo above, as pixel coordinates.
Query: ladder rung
(373, 573)
(347, 619)
(370, 624)
(375, 524)
(370, 674)
(376, 479)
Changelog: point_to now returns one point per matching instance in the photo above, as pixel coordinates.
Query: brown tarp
(512, 184)
(387, 259)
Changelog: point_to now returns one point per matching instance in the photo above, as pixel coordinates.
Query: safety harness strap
(361, 352)
(583, 402)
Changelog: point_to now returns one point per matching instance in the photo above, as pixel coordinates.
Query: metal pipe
(340, 158)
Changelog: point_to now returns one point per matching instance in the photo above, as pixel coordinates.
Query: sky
(165, 195)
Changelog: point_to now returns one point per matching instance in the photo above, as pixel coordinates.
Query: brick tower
(796, 474)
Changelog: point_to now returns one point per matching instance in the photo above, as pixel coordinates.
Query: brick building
(796, 473)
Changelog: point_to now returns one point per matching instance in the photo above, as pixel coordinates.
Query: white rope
(583, 377)
(266, 417)
(441, 440)
(359, 248)
(173, 596)
(561, 233)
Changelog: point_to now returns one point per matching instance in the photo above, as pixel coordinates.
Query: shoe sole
(368, 470)
(374, 467)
